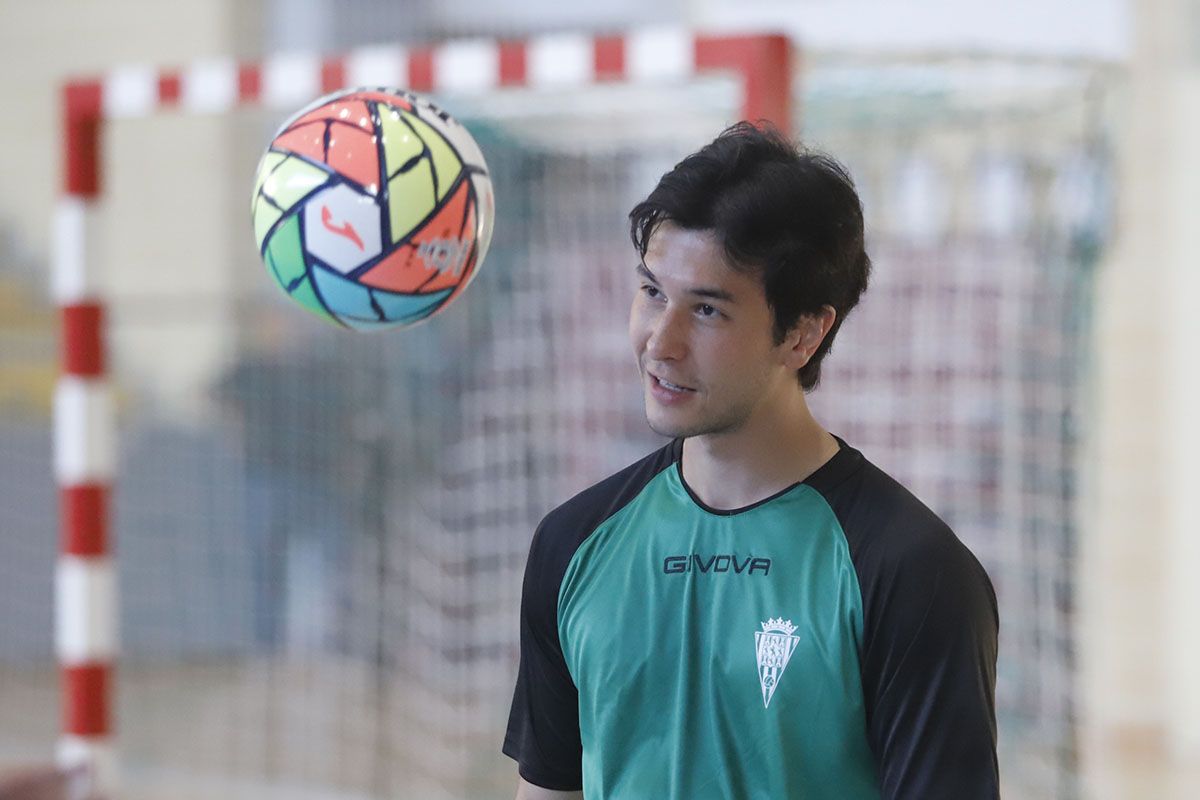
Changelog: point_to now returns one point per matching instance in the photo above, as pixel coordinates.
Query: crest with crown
(778, 625)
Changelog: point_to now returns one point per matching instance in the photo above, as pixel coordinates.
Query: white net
(321, 535)
(987, 186)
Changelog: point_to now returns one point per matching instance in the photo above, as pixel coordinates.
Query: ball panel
(270, 262)
(351, 110)
(286, 252)
(433, 258)
(352, 153)
(468, 274)
(341, 227)
(400, 144)
(343, 297)
(292, 181)
(306, 140)
(421, 312)
(455, 134)
(398, 271)
(404, 308)
(270, 161)
(387, 97)
(410, 199)
(444, 243)
(446, 162)
(484, 210)
(265, 215)
(305, 296)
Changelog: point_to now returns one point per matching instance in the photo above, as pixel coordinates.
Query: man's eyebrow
(709, 292)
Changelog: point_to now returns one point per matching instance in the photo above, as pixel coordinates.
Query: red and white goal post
(85, 427)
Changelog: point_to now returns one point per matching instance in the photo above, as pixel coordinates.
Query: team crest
(773, 648)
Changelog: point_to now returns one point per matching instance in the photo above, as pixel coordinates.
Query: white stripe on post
(209, 86)
(85, 439)
(385, 67)
(659, 54)
(560, 60)
(466, 66)
(97, 754)
(130, 92)
(85, 610)
(290, 80)
(70, 280)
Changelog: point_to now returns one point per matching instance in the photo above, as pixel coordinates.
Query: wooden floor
(1137, 767)
(257, 730)
(260, 730)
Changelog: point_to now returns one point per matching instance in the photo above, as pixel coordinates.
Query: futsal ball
(373, 208)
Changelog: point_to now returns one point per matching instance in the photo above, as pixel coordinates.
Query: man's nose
(667, 340)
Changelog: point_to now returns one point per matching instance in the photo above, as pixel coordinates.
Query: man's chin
(669, 429)
(674, 426)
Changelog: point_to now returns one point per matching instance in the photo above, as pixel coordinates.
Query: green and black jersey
(835, 640)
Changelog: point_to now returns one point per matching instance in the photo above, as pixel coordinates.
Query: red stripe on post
(84, 520)
(81, 105)
(512, 63)
(420, 69)
(85, 699)
(609, 57)
(249, 83)
(765, 64)
(168, 89)
(333, 75)
(82, 339)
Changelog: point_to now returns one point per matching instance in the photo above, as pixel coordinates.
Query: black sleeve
(929, 664)
(543, 725)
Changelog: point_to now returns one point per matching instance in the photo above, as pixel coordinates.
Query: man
(754, 610)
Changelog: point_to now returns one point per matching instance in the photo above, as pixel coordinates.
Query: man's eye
(706, 310)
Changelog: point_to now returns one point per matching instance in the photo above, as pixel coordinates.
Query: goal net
(987, 184)
(320, 535)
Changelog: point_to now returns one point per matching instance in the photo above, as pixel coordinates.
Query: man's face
(702, 333)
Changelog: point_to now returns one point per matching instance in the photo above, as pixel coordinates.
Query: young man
(755, 610)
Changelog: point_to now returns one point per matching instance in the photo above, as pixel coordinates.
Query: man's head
(790, 217)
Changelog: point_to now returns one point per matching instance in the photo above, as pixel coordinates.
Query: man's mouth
(674, 387)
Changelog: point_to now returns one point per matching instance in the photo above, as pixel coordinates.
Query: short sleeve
(929, 669)
(543, 725)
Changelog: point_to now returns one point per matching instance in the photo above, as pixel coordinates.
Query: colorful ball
(373, 208)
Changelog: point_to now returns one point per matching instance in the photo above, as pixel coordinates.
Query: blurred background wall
(1138, 598)
(320, 536)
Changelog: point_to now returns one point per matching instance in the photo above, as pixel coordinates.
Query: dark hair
(787, 213)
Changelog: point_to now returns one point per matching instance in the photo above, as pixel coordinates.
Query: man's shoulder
(590, 507)
(566, 527)
(888, 528)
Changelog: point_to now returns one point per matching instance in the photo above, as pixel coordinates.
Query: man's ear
(806, 336)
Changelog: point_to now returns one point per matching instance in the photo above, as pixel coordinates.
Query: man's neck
(739, 468)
